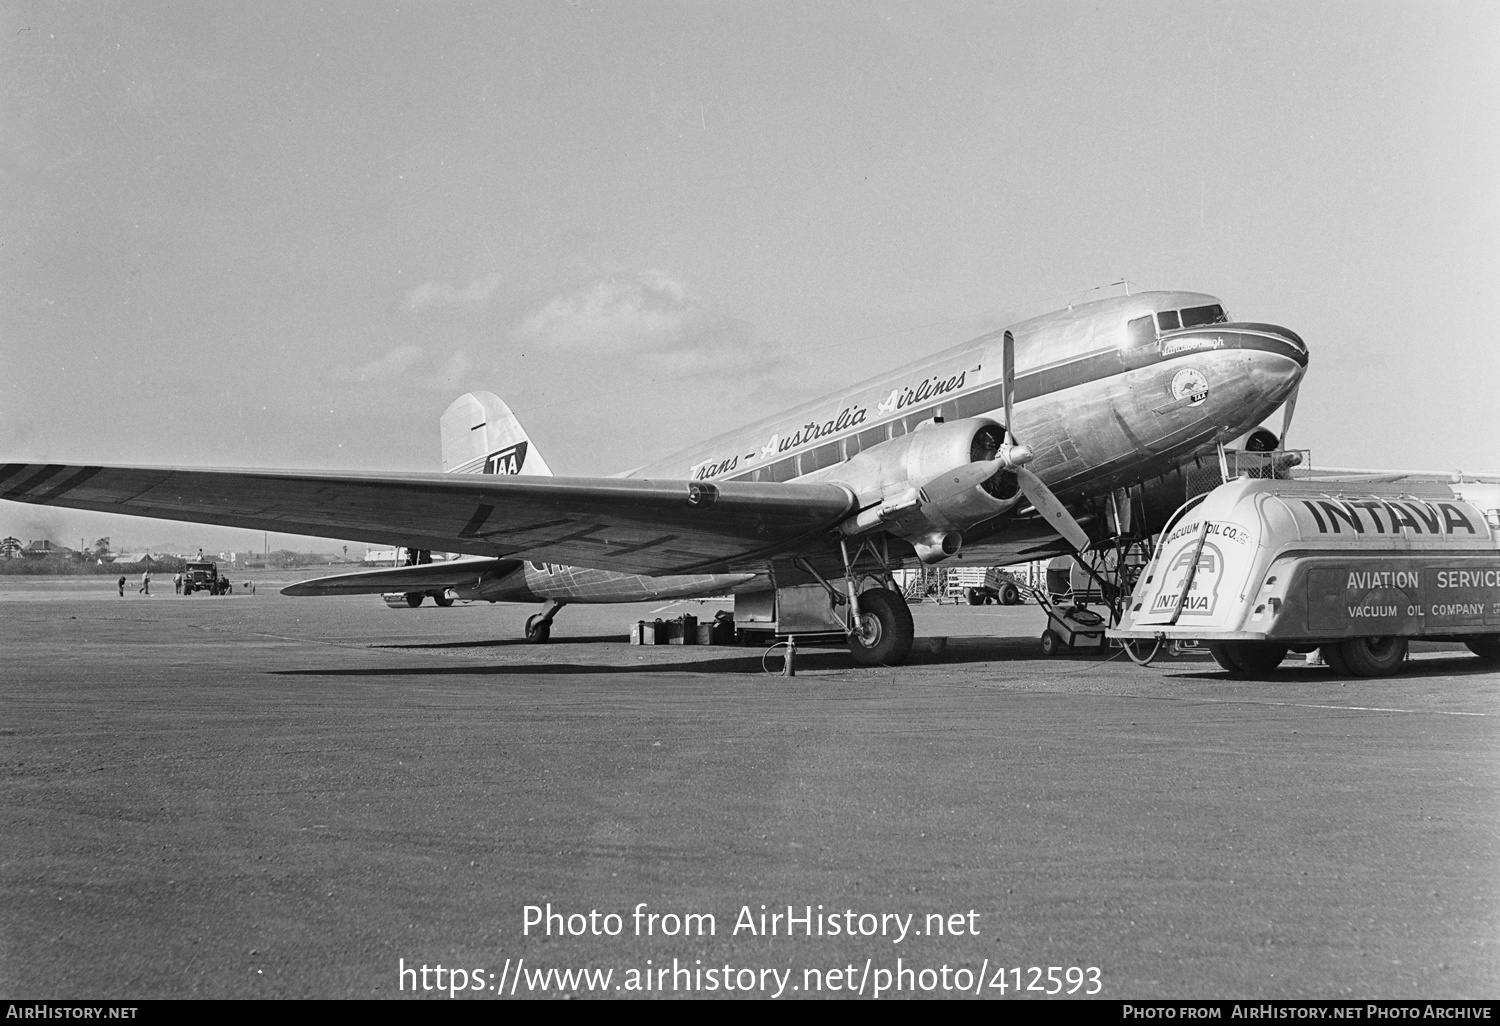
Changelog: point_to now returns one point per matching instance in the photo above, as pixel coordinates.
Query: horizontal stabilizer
(424, 577)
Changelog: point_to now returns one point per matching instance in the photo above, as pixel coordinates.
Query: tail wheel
(538, 630)
(414, 598)
(1373, 657)
(442, 599)
(1487, 649)
(1010, 595)
(885, 629)
(1257, 656)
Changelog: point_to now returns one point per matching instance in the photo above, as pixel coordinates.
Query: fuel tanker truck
(1258, 568)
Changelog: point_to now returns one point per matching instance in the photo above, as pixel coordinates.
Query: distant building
(397, 557)
(43, 548)
(10, 548)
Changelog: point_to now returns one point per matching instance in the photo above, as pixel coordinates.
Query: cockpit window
(1167, 319)
(1196, 315)
(1140, 332)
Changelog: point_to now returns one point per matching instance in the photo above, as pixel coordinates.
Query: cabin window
(1193, 316)
(1140, 332)
(1168, 320)
(898, 427)
(866, 439)
(783, 470)
(822, 456)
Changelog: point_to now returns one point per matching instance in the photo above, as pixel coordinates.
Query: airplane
(1060, 432)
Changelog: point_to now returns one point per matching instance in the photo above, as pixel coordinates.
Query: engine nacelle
(932, 483)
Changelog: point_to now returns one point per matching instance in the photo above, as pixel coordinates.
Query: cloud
(647, 313)
(388, 368)
(475, 295)
(409, 365)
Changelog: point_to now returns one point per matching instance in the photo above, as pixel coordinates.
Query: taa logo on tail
(509, 460)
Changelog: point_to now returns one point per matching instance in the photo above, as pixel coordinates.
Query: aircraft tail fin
(482, 436)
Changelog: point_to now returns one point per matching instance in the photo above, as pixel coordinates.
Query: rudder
(481, 436)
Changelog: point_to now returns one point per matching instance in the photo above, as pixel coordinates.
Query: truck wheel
(1333, 655)
(414, 598)
(1051, 643)
(1220, 651)
(1010, 595)
(1257, 656)
(885, 629)
(1373, 657)
(1487, 649)
(973, 597)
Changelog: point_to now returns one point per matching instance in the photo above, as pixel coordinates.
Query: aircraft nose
(1278, 358)
(1273, 338)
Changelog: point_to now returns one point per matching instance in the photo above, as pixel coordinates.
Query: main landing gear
(877, 620)
(539, 626)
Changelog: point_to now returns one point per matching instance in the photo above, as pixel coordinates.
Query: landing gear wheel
(1010, 595)
(1487, 649)
(1373, 657)
(1051, 644)
(1256, 656)
(442, 599)
(1220, 651)
(538, 630)
(973, 597)
(885, 629)
(414, 598)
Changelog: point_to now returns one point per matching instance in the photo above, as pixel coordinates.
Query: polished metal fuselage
(1101, 408)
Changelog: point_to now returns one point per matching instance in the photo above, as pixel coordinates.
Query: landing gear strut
(879, 622)
(539, 626)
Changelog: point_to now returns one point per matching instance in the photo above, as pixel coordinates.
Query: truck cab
(203, 576)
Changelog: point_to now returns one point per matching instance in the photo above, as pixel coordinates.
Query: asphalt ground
(260, 796)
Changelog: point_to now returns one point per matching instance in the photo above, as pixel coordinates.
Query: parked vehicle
(203, 576)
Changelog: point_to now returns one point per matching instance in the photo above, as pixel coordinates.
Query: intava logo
(1203, 591)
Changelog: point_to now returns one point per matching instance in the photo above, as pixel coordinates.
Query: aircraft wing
(626, 524)
(449, 573)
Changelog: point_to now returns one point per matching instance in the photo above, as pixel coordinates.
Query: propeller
(1016, 456)
(1286, 412)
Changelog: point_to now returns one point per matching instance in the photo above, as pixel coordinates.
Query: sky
(276, 236)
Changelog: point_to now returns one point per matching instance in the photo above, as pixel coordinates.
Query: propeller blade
(1286, 413)
(1053, 511)
(1008, 381)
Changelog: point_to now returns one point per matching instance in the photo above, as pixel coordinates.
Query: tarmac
(259, 796)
